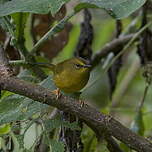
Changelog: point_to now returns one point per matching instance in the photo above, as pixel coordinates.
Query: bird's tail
(44, 65)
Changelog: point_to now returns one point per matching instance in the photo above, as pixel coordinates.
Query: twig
(130, 26)
(143, 98)
(53, 113)
(3, 57)
(58, 27)
(7, 41)
(112, 145)
(18, 63)
(144, 51)
(110, 47)
(4, 68)
(129, 44)
(122, 87)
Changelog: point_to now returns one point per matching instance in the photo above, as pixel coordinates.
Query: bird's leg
(57, 93)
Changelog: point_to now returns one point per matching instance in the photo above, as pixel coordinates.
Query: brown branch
(99, 122)
(3, 57)
(4, 64)
(110, 47)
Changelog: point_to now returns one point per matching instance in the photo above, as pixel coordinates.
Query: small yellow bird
(71, 75)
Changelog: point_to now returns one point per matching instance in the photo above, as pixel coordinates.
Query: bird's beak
(87, 66)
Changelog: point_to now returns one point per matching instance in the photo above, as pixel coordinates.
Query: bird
(70, 75)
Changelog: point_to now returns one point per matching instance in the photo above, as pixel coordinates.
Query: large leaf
(57, 146)
(16, 107)
(33, 6)
(117, 8)
(3, 1)
(5, 129)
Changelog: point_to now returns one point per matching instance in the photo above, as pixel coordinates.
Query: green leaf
(5, 129)
(89, 140)
(7, 25)
(27, 76)
(16, 107)
(20, 139)
(57, 146)
(48, 83)
(138, 125)
(117, 8)
(33, 6)
(84, 5)
(3, 1)
(124, 147)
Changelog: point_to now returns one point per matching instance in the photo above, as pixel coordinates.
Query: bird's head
(77, 65)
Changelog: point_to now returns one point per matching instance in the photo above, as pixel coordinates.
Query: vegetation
(115, 37)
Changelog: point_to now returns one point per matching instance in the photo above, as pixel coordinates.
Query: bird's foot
(57, 93)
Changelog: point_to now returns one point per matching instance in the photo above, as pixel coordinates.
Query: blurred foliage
(29, 125)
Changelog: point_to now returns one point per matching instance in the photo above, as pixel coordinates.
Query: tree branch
(99, 122)
(110, 47)
(112, 145)
(4, 64)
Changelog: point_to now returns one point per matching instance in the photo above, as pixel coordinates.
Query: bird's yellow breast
(68, 78)
(70, 81)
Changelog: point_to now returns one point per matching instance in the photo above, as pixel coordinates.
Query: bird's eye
(78, 66)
